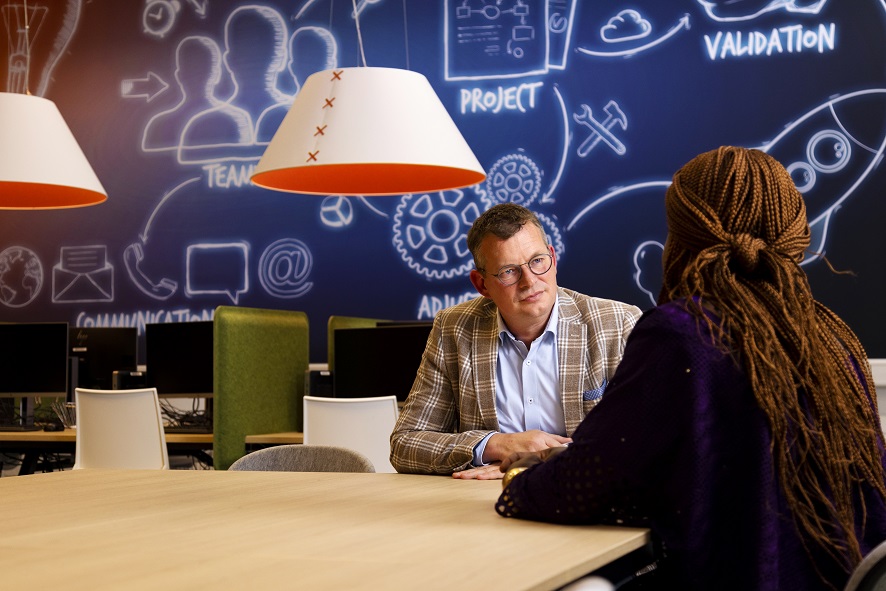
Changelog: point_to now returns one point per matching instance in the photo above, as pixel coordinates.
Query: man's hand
(502, 445)
(490, 472)
(529, 458)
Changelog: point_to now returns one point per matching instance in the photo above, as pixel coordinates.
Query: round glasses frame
(511, 274)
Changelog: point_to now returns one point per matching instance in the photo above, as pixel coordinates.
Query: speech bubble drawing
(213, 269)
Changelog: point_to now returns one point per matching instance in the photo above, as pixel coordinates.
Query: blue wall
(580, 110)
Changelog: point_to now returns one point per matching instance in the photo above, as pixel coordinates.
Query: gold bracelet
(511, 474)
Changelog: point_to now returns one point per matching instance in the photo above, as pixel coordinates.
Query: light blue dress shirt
(527, 393)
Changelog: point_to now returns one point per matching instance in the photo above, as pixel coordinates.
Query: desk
(211, 529)
(43, 438)
(266, 439)
(33, 443)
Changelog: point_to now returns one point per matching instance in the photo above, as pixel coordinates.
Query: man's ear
(553, 254)
(479, 282)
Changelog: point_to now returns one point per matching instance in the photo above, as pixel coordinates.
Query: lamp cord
(359, 34)
(406, 35)
(27, 51)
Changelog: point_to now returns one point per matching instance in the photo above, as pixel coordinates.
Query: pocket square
(596, 394)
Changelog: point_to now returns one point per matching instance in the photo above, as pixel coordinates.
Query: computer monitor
(99, 352)
(378, 361)
(33, 362)
(178, 357)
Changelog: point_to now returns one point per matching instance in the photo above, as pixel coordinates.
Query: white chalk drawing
(21, 276)
(616, 193)
(430, 232)
(561, 18)
(488, 39)
(834, 148)
(160, 16)
(284, 268)
(217, 269)
(83, 274)
(311, 49)
(148, 88)
(220, 132)
(825, 155)
(336, 211)
(305, 7)
(255, 52)
(627, 25)
(553, 234)
(648, 269)
(133, 257)
(134, 254)
(643, 258)
(793, 39)
(362, 4)
(564, 150)
(731, 11)
(198, 72)
(35, 52)
(514, 178)
(601, 130)
(316, 50)
(204, 127)
(609, 32)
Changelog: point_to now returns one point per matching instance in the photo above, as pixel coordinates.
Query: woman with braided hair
(741, 426)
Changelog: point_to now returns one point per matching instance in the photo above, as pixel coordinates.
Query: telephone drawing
(133, 256)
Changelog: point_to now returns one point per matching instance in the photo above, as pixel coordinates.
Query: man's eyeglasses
(511, 274)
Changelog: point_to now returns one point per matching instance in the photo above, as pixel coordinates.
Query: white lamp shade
(367, 131)
(41, 164)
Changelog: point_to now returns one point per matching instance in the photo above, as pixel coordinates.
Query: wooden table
(70, 436)
(34, 443)
(195, 529)
(266, 439)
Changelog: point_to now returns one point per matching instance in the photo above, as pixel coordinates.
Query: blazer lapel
(485, 352)
(572, 340)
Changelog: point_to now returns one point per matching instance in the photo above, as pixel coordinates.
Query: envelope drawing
(83, 275)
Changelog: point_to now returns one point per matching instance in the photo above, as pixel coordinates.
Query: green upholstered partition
(336, 322)
(261, 357)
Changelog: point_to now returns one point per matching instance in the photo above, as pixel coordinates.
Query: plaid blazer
(451, 406)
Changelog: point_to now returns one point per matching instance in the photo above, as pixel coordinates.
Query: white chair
(119, 429)
(361, 424)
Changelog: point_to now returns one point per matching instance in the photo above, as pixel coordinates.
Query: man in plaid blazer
(514, 370)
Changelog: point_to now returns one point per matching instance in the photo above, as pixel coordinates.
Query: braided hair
(737, 234)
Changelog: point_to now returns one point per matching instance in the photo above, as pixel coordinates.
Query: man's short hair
(502, 221)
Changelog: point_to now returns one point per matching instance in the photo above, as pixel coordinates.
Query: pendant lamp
(41, 164)
(367, 131)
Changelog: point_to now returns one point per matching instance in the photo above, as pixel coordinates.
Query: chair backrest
(304, 458)
(119, 429)
(361, 424)
(870, 574)
(260, 361)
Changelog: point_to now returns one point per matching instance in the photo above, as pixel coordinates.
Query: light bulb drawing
(38, 34)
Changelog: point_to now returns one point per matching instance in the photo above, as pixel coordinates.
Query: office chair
(361, 424)
(304, 458)
(119, 429)
(870, 574)
(260, 361)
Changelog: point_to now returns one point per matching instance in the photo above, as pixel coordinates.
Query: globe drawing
(21, 276)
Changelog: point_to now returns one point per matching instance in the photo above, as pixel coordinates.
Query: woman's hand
(526, 459)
